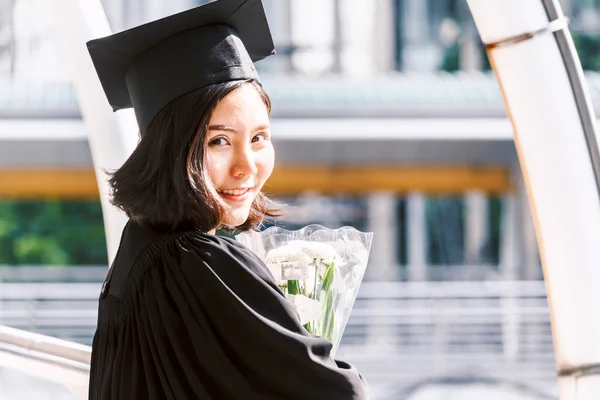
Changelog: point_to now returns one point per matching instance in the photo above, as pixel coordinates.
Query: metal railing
(47, 359)
(406, 332)
(399, 334)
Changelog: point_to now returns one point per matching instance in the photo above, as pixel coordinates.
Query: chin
(236, 220)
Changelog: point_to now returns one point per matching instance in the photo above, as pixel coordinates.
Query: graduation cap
(149, 66)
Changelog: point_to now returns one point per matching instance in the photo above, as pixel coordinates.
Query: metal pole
(112, 137)
(546, 97)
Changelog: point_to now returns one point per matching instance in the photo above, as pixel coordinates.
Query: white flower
(290, 252)
(322, 252)
(308, 309)
(296, 260)
(302, 251)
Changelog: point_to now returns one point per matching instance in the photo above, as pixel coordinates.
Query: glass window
(429, 34)
(445, 230)
(401, 232)
(491, 253)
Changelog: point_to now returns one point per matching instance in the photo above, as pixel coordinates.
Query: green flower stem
(328, 320)
(293, 287)
(328, 277)
(328, 316)
(314, 296)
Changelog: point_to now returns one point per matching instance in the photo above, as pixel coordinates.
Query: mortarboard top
(149, 66)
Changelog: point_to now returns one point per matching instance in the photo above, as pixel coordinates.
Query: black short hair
(164, 183)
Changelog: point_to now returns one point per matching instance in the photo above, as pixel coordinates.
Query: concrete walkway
(17, 386)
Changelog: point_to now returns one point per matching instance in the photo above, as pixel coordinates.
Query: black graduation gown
(195, 316)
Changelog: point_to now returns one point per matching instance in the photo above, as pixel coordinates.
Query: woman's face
(239, 152)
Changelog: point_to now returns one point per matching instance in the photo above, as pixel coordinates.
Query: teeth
(235, 192)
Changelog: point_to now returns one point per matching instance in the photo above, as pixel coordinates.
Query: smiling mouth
(234, 192)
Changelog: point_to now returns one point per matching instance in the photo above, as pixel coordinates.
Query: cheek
(266, 161)
(216, 167)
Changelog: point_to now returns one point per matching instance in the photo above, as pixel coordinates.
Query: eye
(261, 137)
(220, 141)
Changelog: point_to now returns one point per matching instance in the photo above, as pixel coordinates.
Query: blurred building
(385, 117)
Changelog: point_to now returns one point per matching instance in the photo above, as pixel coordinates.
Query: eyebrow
(231, 129)
(222, 128)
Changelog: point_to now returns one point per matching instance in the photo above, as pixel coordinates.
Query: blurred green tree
(51, 232)
(588, 49)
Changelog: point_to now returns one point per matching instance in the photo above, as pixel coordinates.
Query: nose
(244, 163)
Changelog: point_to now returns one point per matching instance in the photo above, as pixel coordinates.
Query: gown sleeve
(230, 332)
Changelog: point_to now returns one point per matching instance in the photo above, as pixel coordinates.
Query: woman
(185, 314)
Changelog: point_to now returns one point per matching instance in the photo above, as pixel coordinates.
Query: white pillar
(416, 237)
(279, 14)
(117, 13)
(384, 38)
(419, 53)
(382, 264)
(7, 38)
(112, 137)
(313, 30)
(476, 226)
(550, 107)
(470, 53)
(338, 37)
(509, 239)
(383, 222)
(287, 31)
(368, 36)
(509, 271)
(136, 12)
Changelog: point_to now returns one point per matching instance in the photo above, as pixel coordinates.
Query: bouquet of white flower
(319, 270)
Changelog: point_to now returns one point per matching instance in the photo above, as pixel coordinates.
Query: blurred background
(386, 117)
